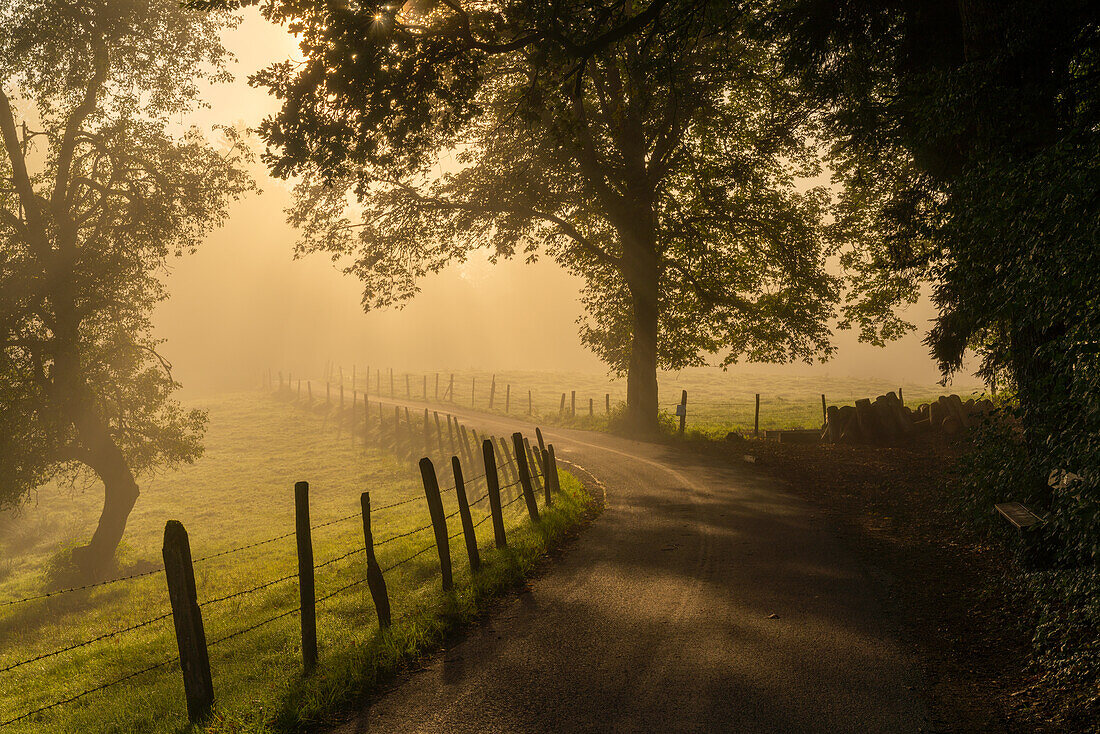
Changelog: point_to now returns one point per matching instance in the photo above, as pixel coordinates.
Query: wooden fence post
(530, 404)
(573, 404)
(375, 581)
(549, 477)
(439, 520)
(492, 392)
(683, 410)
(756, 422)
(473, 391)
(392, 393)
(607, 403)
(465, 443)
(306, 586)
(824, 410)
(353, 377)
(506, 457)
(437, 387)
(533, 463)
(538, 435)
(190, 636)
(425, 388)
(408, 389)
(427, 433)
(378, 382)
(492, 481)
(525, 476)
(464, 514)
(561, 408)
(396, 428)
(309, 391)
(366, 420)
(451, 435)
(507, 397)
(438, 430)
(552, 464)
(591, 410)
(901, 398)
(451, 387)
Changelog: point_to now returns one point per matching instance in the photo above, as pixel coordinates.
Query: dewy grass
(718, 401)
(241, 492)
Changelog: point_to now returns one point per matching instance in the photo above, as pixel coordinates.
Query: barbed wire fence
(526, 465)
(762, 414)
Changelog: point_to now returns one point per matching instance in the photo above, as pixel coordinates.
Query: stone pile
(887, 422)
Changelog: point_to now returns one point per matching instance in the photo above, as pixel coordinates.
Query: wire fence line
(525, 471)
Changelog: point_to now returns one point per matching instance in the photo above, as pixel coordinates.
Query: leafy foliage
(99, 188)
(651, 148)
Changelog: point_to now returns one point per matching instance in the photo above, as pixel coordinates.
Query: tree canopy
(966, 134)
(99, 187)
(654, 149)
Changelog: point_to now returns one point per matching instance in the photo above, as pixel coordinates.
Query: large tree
(99, 187)
(649, 147)
(967, 135)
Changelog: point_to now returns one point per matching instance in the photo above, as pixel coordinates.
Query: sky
(242, 304)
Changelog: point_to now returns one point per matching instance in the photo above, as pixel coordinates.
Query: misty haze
(613, 365)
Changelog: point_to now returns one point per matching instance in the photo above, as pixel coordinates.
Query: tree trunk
(120, 493)
(641, 273)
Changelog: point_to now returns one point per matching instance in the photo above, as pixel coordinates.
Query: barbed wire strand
(85, 643)
(82, 694)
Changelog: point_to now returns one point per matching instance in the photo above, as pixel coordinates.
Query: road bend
(704, 598)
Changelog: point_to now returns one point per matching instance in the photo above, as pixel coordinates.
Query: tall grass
(240, 492)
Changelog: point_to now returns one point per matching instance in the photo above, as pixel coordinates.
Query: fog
(242, 304)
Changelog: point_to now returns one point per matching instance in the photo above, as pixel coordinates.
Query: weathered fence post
(533, 463)
(396, 428)
(607, 403)
(591, 410)
(408, 388)
(492, 392)
(530, 404)
(198, 687)
(439, 520)
(525, 476)
(507, 397)
(683, 411)
(473, 391)
(451, 435)
(305, 576)
(756, 421)
(464, 514)
(375, 581)
(438, 429)
(561, 408)
(427, 433)
(309, 391)
(392, 393)
(425, 388)
(353, 377)
(552, 469)
(901, 398)
(451, 387)
(538, 435)
(572, 403)
(378, 382)
(466, 445)
(492, 482)
(506, 456)
(437, 387)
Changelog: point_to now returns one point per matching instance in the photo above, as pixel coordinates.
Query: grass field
(718, 401)
(241, 492)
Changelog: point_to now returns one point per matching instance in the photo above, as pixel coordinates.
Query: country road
(704, 598)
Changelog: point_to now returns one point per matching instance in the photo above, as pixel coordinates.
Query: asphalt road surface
(704, 598)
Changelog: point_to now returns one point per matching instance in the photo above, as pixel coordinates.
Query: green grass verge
(241, 492)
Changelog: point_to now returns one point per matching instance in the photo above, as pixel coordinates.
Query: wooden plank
(1018, 515)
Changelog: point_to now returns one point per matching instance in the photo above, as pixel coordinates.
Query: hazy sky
(242, 304)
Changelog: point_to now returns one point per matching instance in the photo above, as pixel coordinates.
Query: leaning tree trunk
(120, 493)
